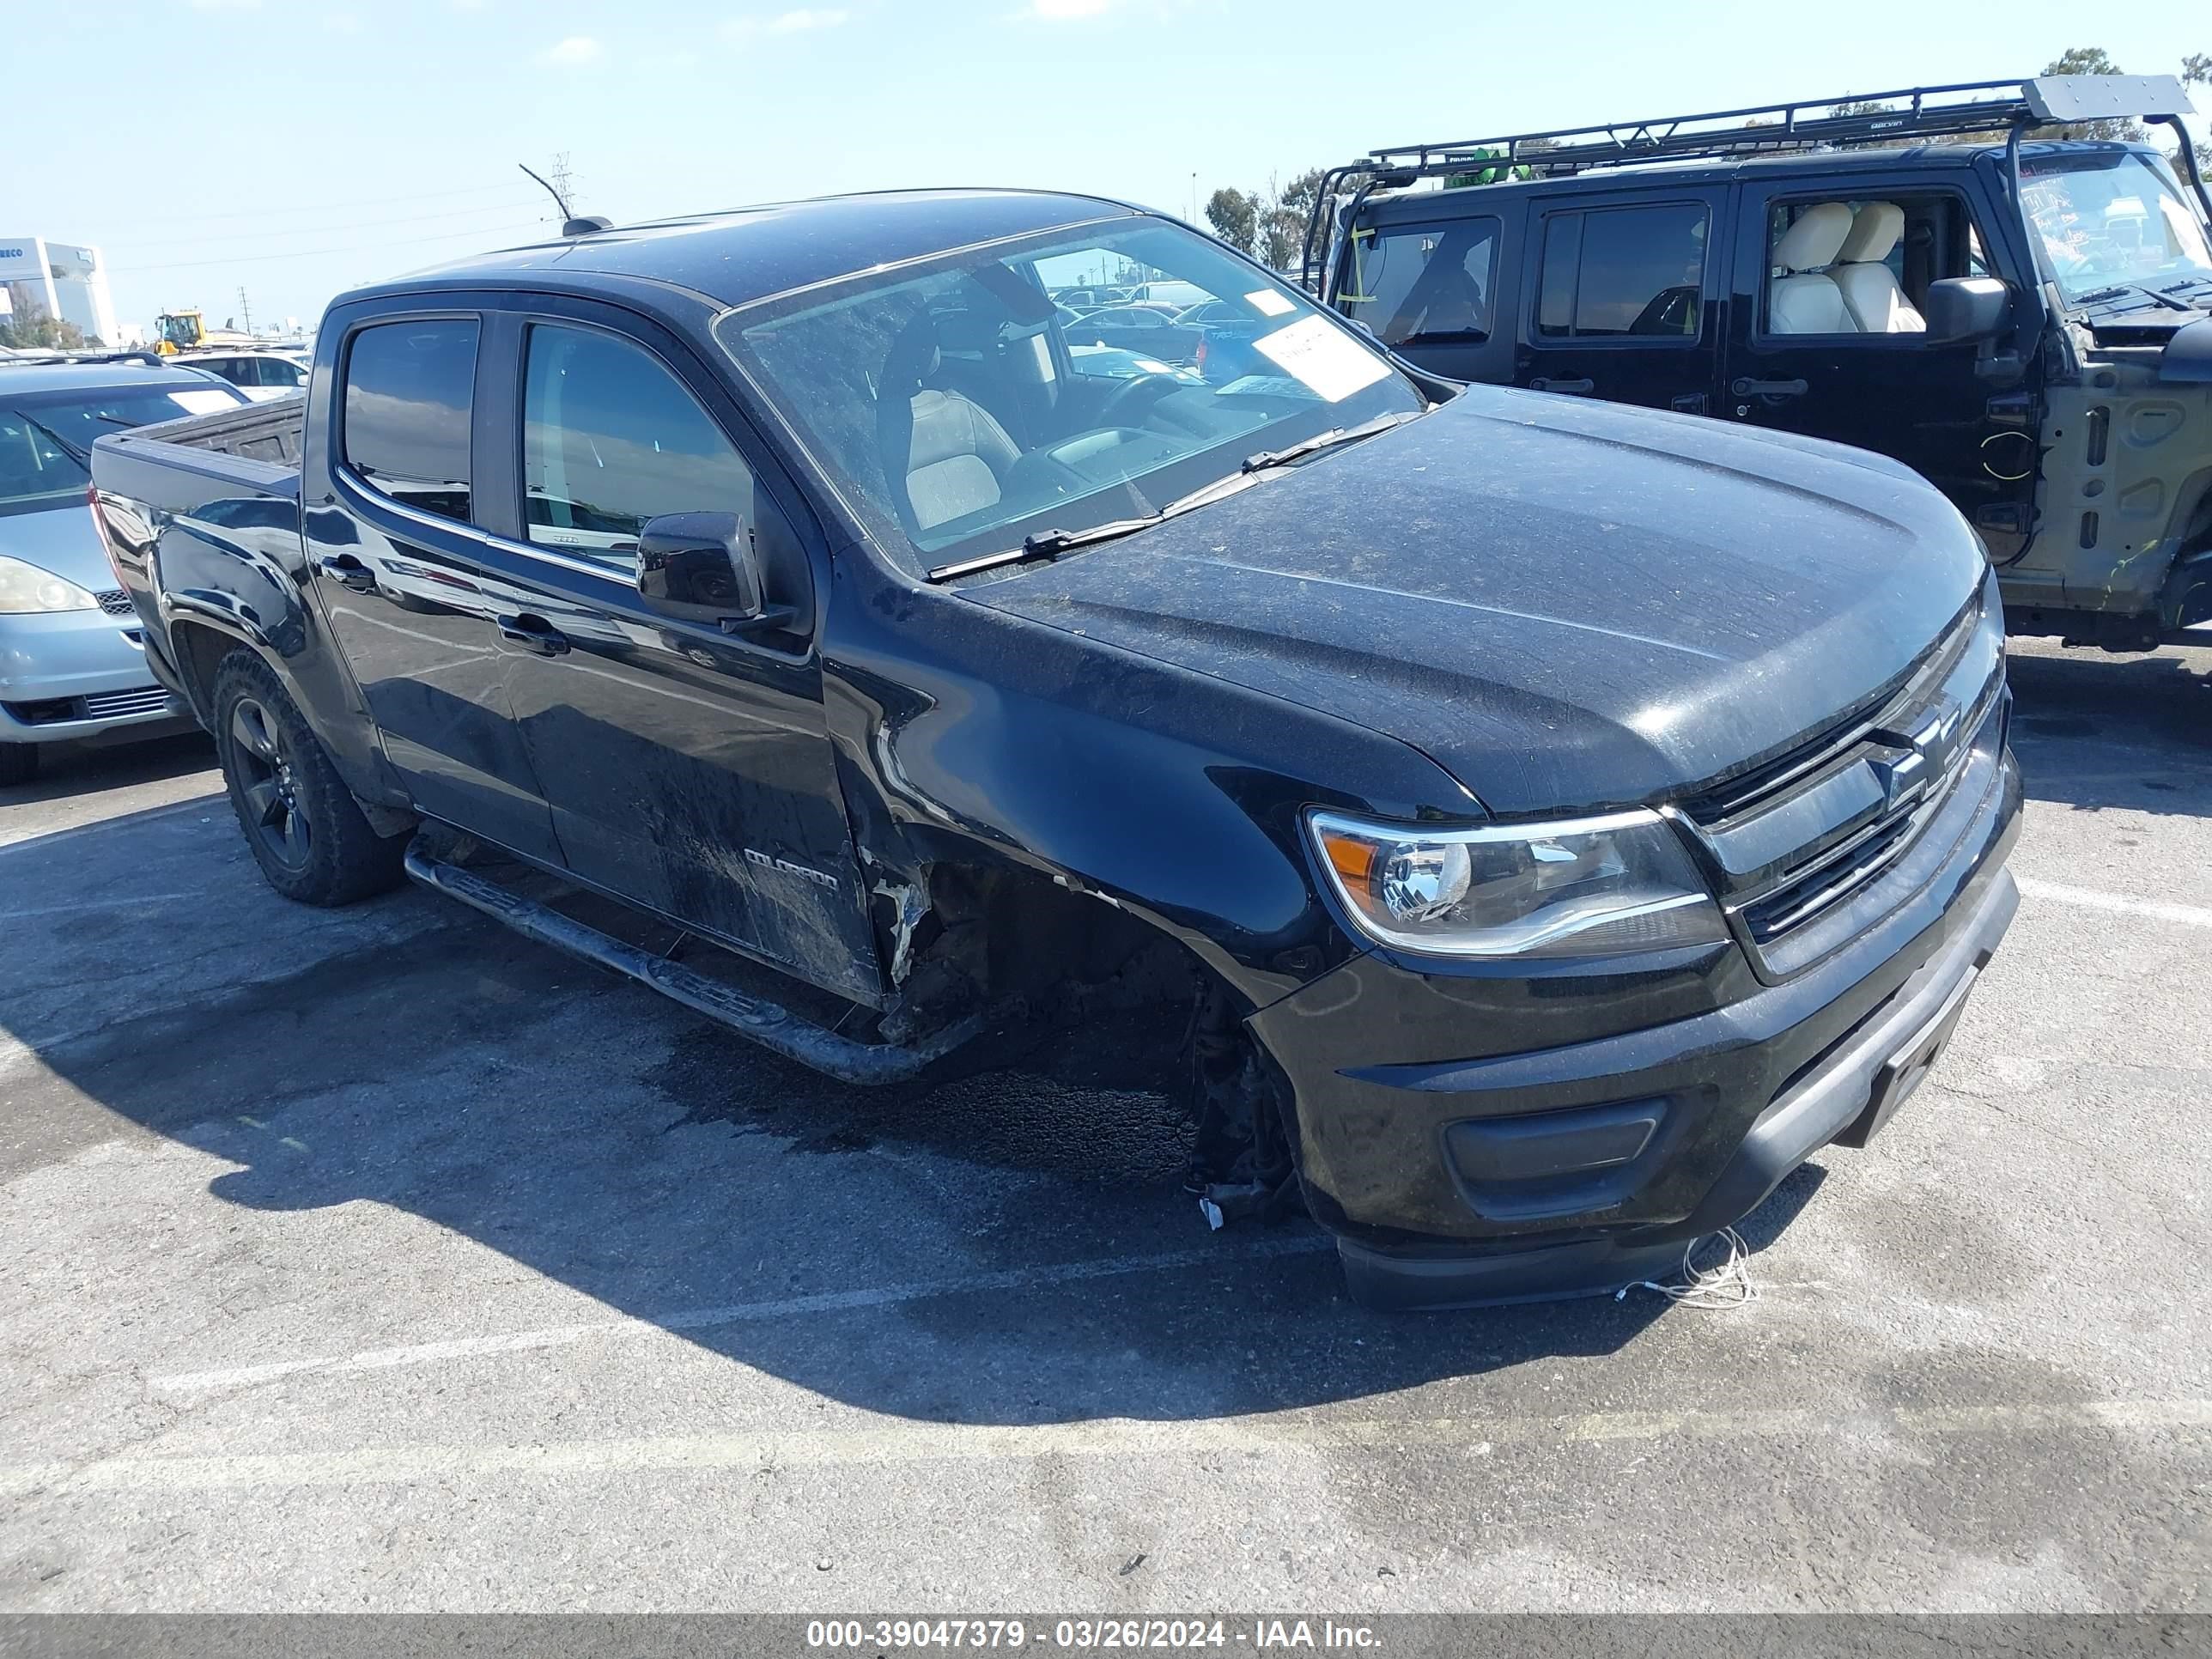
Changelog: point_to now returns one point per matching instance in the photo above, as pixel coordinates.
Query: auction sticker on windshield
(202, 403)
(1328, 363)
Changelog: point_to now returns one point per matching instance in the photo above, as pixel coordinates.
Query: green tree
(1235, 217)
(1282, 222)
(2197, 71)
(31, 327)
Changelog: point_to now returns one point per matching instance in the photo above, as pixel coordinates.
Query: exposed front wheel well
(1118, 996)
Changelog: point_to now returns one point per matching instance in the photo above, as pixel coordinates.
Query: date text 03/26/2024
(1254, 1635)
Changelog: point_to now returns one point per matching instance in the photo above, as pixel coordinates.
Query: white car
(261, 375)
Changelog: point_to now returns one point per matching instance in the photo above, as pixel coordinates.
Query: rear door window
(1623, 273)
(1424, 282)
(408, 389)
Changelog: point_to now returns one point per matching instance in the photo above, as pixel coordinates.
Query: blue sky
(297, 146)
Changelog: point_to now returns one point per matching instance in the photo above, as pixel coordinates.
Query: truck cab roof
(742, 255)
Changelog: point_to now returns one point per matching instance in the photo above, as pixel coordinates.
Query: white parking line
(920, 1441)
(2089, 899)
(692, 1319)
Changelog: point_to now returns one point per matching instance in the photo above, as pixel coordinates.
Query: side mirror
(702, 568)
(1965, 308)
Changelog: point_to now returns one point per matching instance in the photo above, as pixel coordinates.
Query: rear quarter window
(1623, 273)
(405, 429)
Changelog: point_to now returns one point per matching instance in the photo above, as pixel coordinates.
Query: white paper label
(1332, 365)
(1268, 303)
(202, 403)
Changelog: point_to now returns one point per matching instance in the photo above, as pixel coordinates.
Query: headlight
(25, 588)
(1588, 887)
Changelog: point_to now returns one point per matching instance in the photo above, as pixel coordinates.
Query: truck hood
(1565, 603)
(61, 540)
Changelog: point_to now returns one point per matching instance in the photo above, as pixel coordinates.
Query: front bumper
(1581, 1166)
(73, 674)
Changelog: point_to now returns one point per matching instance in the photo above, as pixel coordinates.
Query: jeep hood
(1565, 603)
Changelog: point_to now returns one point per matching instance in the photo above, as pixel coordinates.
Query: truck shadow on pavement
(1005, 1249)
(2096, 731)
(67, 769)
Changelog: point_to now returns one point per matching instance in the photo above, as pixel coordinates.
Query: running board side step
(768, 1023)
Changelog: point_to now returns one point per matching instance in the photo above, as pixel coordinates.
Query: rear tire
(19, 763)
(301, 823)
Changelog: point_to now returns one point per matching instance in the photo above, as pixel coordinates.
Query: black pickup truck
(1539, 824)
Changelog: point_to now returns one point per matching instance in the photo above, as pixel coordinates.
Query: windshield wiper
(1329, 439)
(1051, 543)
(81, 457)
(2121, 290)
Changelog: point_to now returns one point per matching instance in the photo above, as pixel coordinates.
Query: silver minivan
(72, 665)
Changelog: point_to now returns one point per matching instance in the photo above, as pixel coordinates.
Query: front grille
(98, 706)
(1798, 838)
(115, 602)
(117, 705)
(1834, 876)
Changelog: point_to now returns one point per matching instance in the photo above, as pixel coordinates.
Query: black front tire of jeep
(19, 763)
(303, 825)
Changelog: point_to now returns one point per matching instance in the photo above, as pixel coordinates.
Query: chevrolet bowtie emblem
(1906, 777)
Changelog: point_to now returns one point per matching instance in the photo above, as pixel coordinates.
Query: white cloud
(576, 49)
(790, 23)
(1061, 11)
(226, 5)
(342, 22)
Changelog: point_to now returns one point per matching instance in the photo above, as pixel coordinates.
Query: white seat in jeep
(1877, 305)
(1804, 299)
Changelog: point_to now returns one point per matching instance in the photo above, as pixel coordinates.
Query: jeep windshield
(2115, 220)
(959, 416)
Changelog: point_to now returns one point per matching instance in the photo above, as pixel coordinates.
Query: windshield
(37, 470)
(2108, 218)
(961, 410)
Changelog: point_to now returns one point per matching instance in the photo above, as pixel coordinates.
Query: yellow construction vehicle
(187, 330)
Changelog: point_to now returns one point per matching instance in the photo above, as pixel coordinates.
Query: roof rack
(1908, 114)
(34, 359)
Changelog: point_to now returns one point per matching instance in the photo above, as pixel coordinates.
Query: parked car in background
(1212, 312)
(261, 375)
(1522, 850)
(72, 658)
(1175, 296)
(1092, 298)
(1137, 328)
(1099, 362)
(2029, 329)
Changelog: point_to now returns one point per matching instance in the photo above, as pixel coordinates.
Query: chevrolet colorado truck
(1536, 824)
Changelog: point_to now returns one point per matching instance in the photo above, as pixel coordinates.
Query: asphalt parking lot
(379, 1260)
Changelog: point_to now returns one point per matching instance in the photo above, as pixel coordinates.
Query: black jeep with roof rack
(2026, 322)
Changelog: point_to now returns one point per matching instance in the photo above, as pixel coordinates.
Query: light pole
(1193, 196)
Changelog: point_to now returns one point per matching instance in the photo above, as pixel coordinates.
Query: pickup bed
(1530, 827)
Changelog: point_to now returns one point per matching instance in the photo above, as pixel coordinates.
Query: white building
(58, 279)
